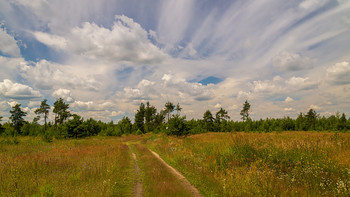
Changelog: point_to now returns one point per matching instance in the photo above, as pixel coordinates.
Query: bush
(177, 126)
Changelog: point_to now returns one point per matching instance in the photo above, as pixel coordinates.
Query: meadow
(84, 167)
(217, 164)
(267, 164)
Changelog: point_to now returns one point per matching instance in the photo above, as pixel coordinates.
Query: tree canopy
(17, 118)
(245, 111)
(44, 109)
(61, 111)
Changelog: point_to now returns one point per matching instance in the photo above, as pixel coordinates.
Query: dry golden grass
(267, 164)
(218, 164)
(87, 167)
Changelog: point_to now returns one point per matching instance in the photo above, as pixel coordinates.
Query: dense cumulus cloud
(105, 57)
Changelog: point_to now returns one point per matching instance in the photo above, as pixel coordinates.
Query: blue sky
(106, 57)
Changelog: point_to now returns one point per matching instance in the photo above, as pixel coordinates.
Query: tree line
(149, 119)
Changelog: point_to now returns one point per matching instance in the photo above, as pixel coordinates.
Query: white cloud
(288, 109)
(265, 86)
(300, 83)
(217, 106)
(12, 103)
(126, 41)
(9, 67)
(64, 94)
(233, 107)
(86, 106)
(312, 4)
(92, 49)
(314, 107)
(51, 40)
(48, 75)
(291, 62)
(118, 113)
(35, 4)
(288, 100)
(245, 95)
(8, 45)
(82, 106)
(339, 74)
(174, 19)
(34, 103)
(17, 91)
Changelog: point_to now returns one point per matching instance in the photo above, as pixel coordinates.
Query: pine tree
(44, 109)
(208, 120)
(245, 111)
(169, 107)
(140, 118)
(61, 111)
(17, 117)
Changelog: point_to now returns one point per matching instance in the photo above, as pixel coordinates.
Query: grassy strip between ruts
(157, 179)
(251, 164)
(85, 167)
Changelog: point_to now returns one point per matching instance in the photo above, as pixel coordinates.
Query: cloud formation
(8, 45)
(105, 57)
(339, 74)
(12, 90)
(125, 41)
(291, 62)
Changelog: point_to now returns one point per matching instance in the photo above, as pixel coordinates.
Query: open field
(85, 167)
(250, 164)
(217, 164)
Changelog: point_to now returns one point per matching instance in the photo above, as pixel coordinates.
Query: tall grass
(157, 179)
(246, 164)
(86, 167)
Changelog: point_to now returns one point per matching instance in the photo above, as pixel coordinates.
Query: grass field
(85, 167)
(218, 164)
(272, 164)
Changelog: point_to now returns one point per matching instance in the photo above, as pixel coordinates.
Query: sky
(106, 57)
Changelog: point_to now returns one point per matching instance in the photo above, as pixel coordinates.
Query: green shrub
(177, 126)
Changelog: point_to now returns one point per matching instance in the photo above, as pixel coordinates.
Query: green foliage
(47, 191)
(208, 120)
(169, 108)
(177, 126)
(195, 126)
(147, 119)
(31, 129)
(111, 130)
(47, 137)
(61, 111)
(125, 125)
(44, 109)
(221, 118)
(2, 129)
(17, 118)
(140, 118)
(178, 108)
(90, 127)
(245, 111)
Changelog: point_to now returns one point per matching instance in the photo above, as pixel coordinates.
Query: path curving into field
(137, 190)
(183, 179)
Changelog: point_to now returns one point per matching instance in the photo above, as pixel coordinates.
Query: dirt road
(154, 177)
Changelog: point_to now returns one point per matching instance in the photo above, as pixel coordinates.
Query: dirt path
(183, 180)
(138, 184)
